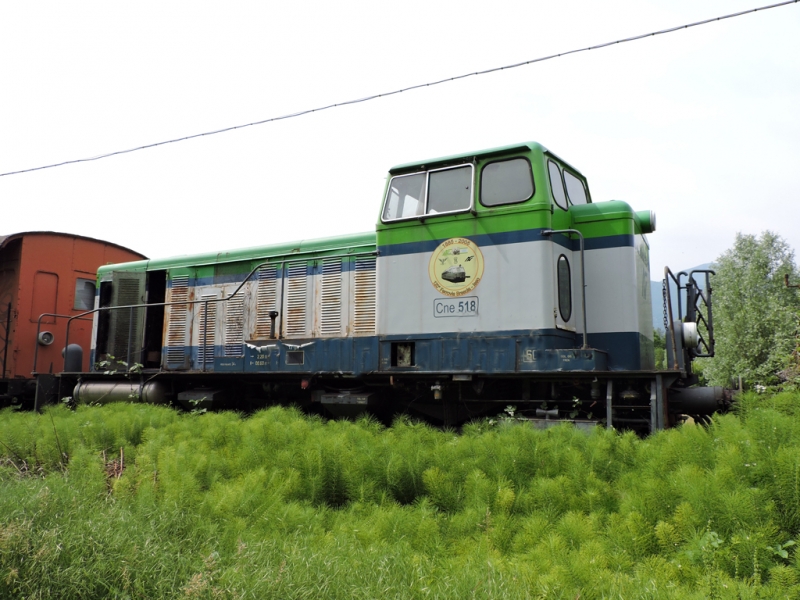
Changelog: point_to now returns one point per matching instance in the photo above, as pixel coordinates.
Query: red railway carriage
(46, 272)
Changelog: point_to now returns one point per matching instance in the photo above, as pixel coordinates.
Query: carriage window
(406, 197)
(564, 288)
(506, 182)
(557, 185)
(575, 189)
(450, 190)
(84, 294)
(430, 193)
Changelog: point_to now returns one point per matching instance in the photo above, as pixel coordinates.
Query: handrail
(693, 314)
(38, 331)
(205, 302)
(668, 274)
(705, 296)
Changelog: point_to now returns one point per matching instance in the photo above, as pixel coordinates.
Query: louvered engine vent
(364, 297)
(178, 320)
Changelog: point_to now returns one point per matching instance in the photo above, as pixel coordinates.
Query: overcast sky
(702, 125)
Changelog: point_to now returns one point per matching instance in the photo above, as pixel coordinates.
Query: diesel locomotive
(492, 282)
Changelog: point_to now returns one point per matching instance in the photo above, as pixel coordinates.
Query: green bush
(280, 505)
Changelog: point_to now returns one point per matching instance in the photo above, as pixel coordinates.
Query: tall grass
(281, 505)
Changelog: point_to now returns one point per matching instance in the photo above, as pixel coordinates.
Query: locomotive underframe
(643, 401)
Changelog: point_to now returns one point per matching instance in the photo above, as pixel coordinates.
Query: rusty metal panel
(267, 294)
(207, 323)
(234, 325)
(86, 256)
(9, 289)
(295, 317)
(178, 321)
(328, 307)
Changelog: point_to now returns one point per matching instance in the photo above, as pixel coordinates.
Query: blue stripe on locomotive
(311, 269)
(484, 352)
(513, 237)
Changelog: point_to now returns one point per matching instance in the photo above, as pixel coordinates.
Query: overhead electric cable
(406, 89)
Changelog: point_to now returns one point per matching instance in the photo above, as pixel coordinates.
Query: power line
(406, 89)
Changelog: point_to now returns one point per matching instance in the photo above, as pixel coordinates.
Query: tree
(755, 314)
(660, 349)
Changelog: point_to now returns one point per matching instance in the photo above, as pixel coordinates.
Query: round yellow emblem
(456, 267)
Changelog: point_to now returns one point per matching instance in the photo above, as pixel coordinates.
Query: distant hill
(658, 299)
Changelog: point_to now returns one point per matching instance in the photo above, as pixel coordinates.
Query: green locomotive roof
(351, 243)
(441, 161)
(455, 158)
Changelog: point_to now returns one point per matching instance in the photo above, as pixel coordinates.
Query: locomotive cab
(488, 247)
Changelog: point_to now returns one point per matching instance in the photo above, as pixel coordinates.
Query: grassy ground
(279, 505)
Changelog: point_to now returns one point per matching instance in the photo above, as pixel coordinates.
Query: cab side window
(406, 197)
(450, 190)
(506, 182)
(557, 185)
(575, 189)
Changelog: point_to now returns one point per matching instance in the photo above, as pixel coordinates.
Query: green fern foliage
(135, 501)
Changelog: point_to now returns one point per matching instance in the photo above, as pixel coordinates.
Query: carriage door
(565, 291)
